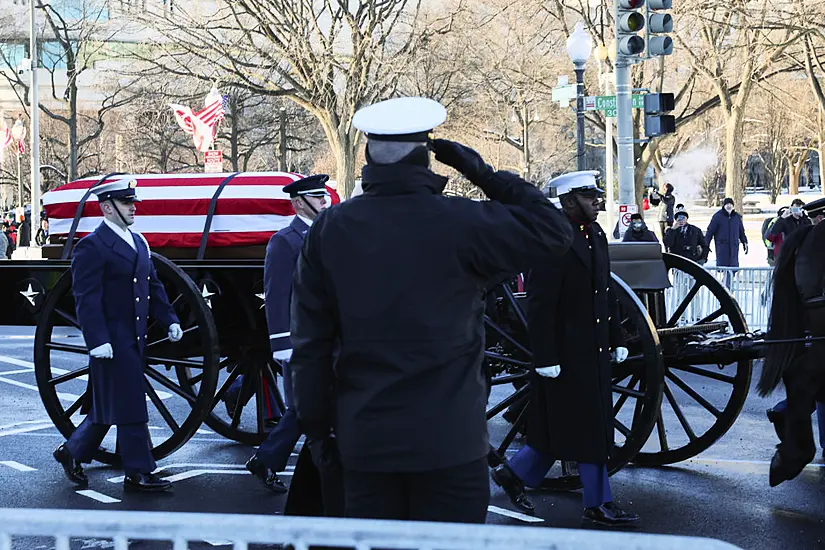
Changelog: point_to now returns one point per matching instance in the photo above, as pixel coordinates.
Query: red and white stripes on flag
(5, 137)
(201, 125)
(173, 208)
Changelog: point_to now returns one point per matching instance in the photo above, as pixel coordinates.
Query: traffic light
(657, 121)
(629, 22)
(659, 24)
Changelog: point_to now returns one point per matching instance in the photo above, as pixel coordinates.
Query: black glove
(462, 158)
(325, 454)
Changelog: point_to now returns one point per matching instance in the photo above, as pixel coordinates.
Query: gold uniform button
(137, 299)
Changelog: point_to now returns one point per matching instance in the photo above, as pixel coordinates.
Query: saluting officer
(388, 318)
(116, 290)
(574, 331)
(309, 197)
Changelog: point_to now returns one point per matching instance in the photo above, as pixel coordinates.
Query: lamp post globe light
(579, 48)
(18, 132)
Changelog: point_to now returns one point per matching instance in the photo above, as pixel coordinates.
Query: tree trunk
(733, 156)
(795, 170)
(344, 151)
(821, 151)
(233, 135)
(525, 143)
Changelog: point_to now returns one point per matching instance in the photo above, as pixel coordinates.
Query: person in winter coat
(727, 230)
(790, 220)
(638, 231)
(4, 242)
(767, 225)
(686, 240)
(665, 202)
(576, 335)
(387, 318)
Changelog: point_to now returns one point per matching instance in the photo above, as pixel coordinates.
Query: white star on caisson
(29, 294)
(262, 296)
(206, 294)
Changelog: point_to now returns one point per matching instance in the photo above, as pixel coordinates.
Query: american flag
(201, 125)
(173, 208)
(5, 137)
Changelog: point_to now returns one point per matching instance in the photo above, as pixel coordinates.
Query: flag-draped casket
(174, 208)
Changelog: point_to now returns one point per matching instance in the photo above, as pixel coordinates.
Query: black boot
(609, 515)
(504, 477)
(269, 478)
(147, 483)
(783, 469)
(71, 467)
(777, 418)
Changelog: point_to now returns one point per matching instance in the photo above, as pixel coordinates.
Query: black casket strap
(67, 248)
(213, 203)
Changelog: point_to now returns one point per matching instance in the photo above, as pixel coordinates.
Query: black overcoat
(397, 278)
(573, 317)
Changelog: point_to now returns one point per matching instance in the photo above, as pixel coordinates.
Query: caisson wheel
(637, 382)
(62, 364)
(702, 397)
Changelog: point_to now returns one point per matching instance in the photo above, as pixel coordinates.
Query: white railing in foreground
(749, 286)
(302, 532)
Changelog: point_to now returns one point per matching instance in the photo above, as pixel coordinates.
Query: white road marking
(100, 497)
(16, 362)
(200, 469)
(204, 432)
(26, 429)
(17, 337)
(61, 395)
(17, 466)
(514, 515)
(813, 465)
(219, 542)
(21, 371)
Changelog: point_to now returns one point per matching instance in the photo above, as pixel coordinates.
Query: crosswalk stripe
(100, 497)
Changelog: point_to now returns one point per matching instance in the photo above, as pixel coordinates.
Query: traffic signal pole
(624, 132)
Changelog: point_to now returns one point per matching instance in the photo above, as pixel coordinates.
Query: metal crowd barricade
(749, 286)
(302, 533)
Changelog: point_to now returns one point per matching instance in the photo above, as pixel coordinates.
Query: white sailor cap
(400, 119)
(586, 181)
(123, 189)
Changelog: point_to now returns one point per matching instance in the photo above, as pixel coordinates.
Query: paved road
(722, 493)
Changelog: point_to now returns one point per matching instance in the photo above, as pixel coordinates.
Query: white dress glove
(102, 352)
(175, 332)
(282, 355)
(549, 372)
(620, 354)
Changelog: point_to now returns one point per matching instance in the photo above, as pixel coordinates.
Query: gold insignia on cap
(132, 184)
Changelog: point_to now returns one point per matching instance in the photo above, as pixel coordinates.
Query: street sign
(213, 161)
(607, 103)
(564, 94)
(625, 211)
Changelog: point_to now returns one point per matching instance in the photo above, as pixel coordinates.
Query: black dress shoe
(777, 418)
(72, 467)
(513, 487)
(148, 483)
(609, 515)
(269, 478)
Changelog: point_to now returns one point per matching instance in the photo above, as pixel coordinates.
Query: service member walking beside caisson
(575, 333)
(387, 318)
(116, 290)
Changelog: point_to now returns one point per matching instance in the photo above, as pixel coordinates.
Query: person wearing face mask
(576, 337)
(727, 230)
(790, 220)
(638, 231)
(686, 240)
(665, 201)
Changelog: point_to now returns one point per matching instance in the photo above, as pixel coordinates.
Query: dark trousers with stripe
(531, 466)
(279, 444)
(133, 440)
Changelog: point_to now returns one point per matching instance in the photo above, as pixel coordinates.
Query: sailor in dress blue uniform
(309, 196)
(116, 290)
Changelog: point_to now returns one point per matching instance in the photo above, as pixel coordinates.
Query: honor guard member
(686, 240)
(309, 197)
(116, 290)
(575, 334)
(388, 318)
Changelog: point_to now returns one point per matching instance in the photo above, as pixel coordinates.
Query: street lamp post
(18, 132)
(579, 46)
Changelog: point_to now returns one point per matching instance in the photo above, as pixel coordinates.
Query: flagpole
(34, 222)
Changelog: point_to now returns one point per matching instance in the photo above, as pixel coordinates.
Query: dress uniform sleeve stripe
(279, 335)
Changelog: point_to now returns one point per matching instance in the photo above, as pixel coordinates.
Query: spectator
(24, 231)
(665, 203)
(638, 231)
(791, 219)
(727, 230)
(766, 229)
(42, 236)
(4, 242)
(686, 240)
(7, 234)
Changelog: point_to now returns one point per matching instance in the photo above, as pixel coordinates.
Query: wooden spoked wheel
(62, 364)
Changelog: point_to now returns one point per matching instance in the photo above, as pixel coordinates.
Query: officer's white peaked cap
(122, 189)
(400, 119)
(585, 180)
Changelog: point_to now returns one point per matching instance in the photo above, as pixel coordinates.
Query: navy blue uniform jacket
(116, 289)
(281, 257)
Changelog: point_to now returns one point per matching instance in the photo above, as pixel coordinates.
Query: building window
(12, 54)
